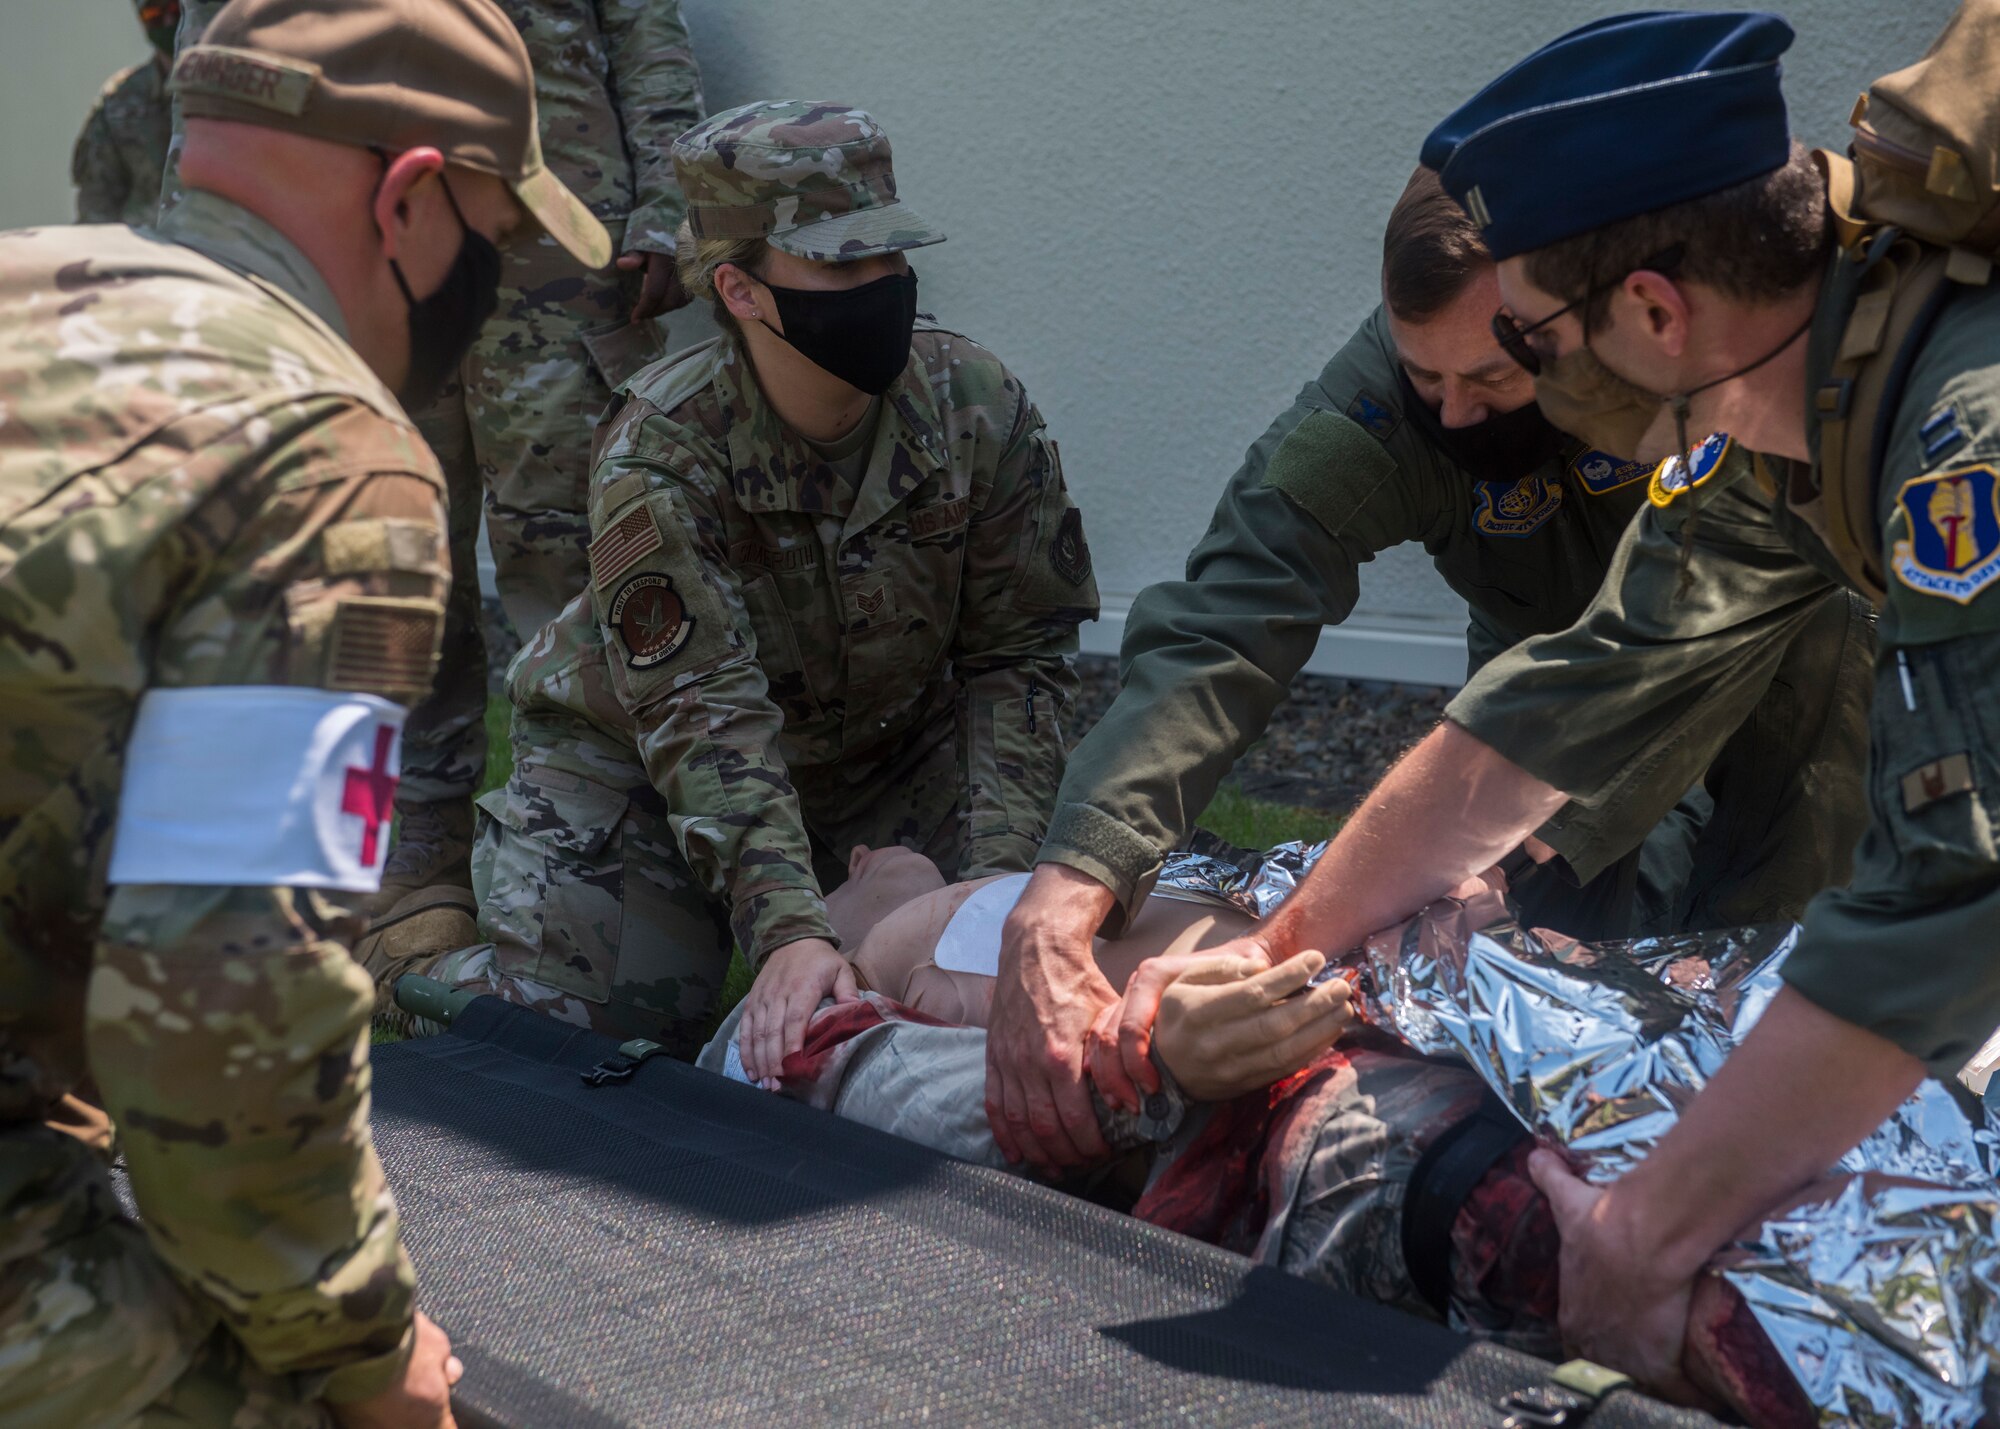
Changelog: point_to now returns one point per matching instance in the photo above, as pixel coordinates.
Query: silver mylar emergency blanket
(1884, 1298)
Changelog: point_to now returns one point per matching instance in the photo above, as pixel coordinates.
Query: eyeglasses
(1513, 338)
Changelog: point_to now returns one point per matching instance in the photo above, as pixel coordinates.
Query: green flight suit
(782, 653)
(1908, 948)
(1345, 473)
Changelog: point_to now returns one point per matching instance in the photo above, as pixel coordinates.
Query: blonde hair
(698, 258)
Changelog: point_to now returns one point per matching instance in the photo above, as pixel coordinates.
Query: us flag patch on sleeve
(623, 544)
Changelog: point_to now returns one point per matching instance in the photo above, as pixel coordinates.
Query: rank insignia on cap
(1678, 475)
(1378, 419)
(651, 619)
(1515, 508)
(1600, 472)
(1953, 547)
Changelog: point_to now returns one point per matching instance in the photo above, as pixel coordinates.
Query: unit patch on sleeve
(1678, 475)
(1953, 549)
(1600, 472)
(1378, 419)
(1070, 554)
(1515, 508)
(650, 619)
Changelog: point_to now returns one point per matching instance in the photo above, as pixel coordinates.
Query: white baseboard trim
(1363, 649)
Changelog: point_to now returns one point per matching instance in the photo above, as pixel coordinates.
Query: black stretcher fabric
(679, 1249)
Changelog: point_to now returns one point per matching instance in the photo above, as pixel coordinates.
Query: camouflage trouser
(516, 425)
(94, 1330)
(591, 914)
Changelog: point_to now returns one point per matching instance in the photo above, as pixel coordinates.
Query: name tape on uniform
(258, 786)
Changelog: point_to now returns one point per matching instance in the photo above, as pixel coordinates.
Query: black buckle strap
(1567, 1398)
(620, 1065)
(1544, 1406)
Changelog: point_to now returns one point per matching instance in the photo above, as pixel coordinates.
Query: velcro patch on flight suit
(1952, 545)
(1516, 508)
(383, 644)
(1601, 473)
(1677, 475)
(1307, 461)
(379, 544)
(1939, 779)
(1377, 418)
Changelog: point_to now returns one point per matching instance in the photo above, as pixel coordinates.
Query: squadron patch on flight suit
(1600, 472)
(1378, 419)
(1953, 549)
(650, 619)
(1515, 508)
(1678, 475)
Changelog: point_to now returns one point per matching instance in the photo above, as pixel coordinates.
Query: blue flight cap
(1616, 119)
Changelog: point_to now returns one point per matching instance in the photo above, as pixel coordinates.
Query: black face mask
(1502, 448)
(443, 325)
(860, 335)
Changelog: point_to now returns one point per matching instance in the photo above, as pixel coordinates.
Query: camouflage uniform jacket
(201, 484)
(765, 634)
(1905, 950)
(1341, 475)
(607, 70)
(122, 150)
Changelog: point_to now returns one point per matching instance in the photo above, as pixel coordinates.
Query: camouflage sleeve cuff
(778, 917)
(366, 1378)
(1092, 842)
(651, 228)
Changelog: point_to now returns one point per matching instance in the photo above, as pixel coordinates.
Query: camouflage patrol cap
(812, 178)
(393, 74)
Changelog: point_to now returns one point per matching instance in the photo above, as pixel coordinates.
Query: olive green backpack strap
(1902, 289)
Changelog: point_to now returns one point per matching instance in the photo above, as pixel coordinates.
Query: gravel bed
(1327, 744)
(1326, 747)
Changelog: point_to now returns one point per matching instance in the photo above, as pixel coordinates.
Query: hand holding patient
(1048, 994)
(1231, 1023)
(789, 989)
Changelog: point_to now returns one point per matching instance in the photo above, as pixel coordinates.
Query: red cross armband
(258, 786)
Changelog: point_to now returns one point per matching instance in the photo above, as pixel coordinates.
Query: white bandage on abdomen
(970, 942)
(264, 786)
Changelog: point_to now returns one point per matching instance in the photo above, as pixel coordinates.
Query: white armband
(265, 786)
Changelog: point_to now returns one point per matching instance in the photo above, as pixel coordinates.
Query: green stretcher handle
(430, 999)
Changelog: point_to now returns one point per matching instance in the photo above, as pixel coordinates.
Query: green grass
(1233, 815)
(1252, 823)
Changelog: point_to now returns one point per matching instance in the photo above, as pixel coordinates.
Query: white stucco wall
(1165, 214)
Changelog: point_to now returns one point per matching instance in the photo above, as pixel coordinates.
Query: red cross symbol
(371, 793)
